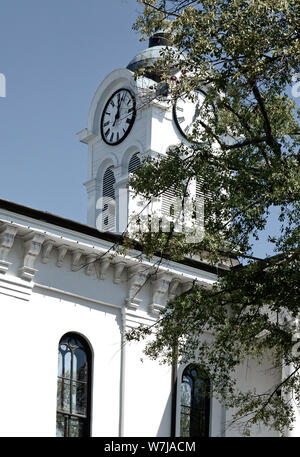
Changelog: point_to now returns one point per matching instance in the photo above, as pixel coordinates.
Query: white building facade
(63, 285)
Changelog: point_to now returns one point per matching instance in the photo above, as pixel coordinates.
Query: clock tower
(129, 119)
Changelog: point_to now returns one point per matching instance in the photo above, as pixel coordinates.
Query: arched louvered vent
(168, 202)
(199, 190)
(171, 210)
(201, 194)
(134, 163)
(105, 212)
(108, 189)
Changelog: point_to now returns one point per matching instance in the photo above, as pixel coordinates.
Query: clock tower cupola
(128, 120)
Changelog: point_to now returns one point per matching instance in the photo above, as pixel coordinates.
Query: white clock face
(118, 117)
(186, 112)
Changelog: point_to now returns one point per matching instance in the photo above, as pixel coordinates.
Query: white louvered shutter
(106, 210)
(199, 190)
(134, 163)
(135, 202)
(171, 209)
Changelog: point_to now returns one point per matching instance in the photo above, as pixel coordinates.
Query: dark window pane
(60, 363)
(67, 364)
(186, 391)
(79, 365)
(61, 425)
(79, 398)
(63, 394)
(72, 342)
(65, 389)
(195, 403)
(185, 422)
(76, 427)
(59, 394)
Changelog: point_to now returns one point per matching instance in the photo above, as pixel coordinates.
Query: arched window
(195, 402)
(108, 200)
(108, 189)
(73, 387)
(134, 163)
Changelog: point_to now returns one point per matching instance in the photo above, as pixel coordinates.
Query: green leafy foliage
(242, 54)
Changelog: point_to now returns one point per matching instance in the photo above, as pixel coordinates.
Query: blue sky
(54, 54)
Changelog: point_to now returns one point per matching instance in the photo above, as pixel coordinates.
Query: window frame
(208, 401)
(86, 418)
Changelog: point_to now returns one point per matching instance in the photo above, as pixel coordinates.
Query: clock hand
(197, 112)
(118, 112)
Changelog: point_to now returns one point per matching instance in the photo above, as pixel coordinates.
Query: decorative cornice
(13, 286)
(41, 238)
(132, 319)
(160, 287)
(155, 308)
(137, 278)
(7, 236)
(133, 302)
(173, 288)
(76, 255)
(102, 267)
(46, 250)
(90, 185)
(65, 230)
(32, 246)
(186, 286)
(61, 253)
(90, 264)
(118, 270)
(85, 136)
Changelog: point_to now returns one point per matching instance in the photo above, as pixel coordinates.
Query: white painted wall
(147, 395)
(30, 333)
(261, 377)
